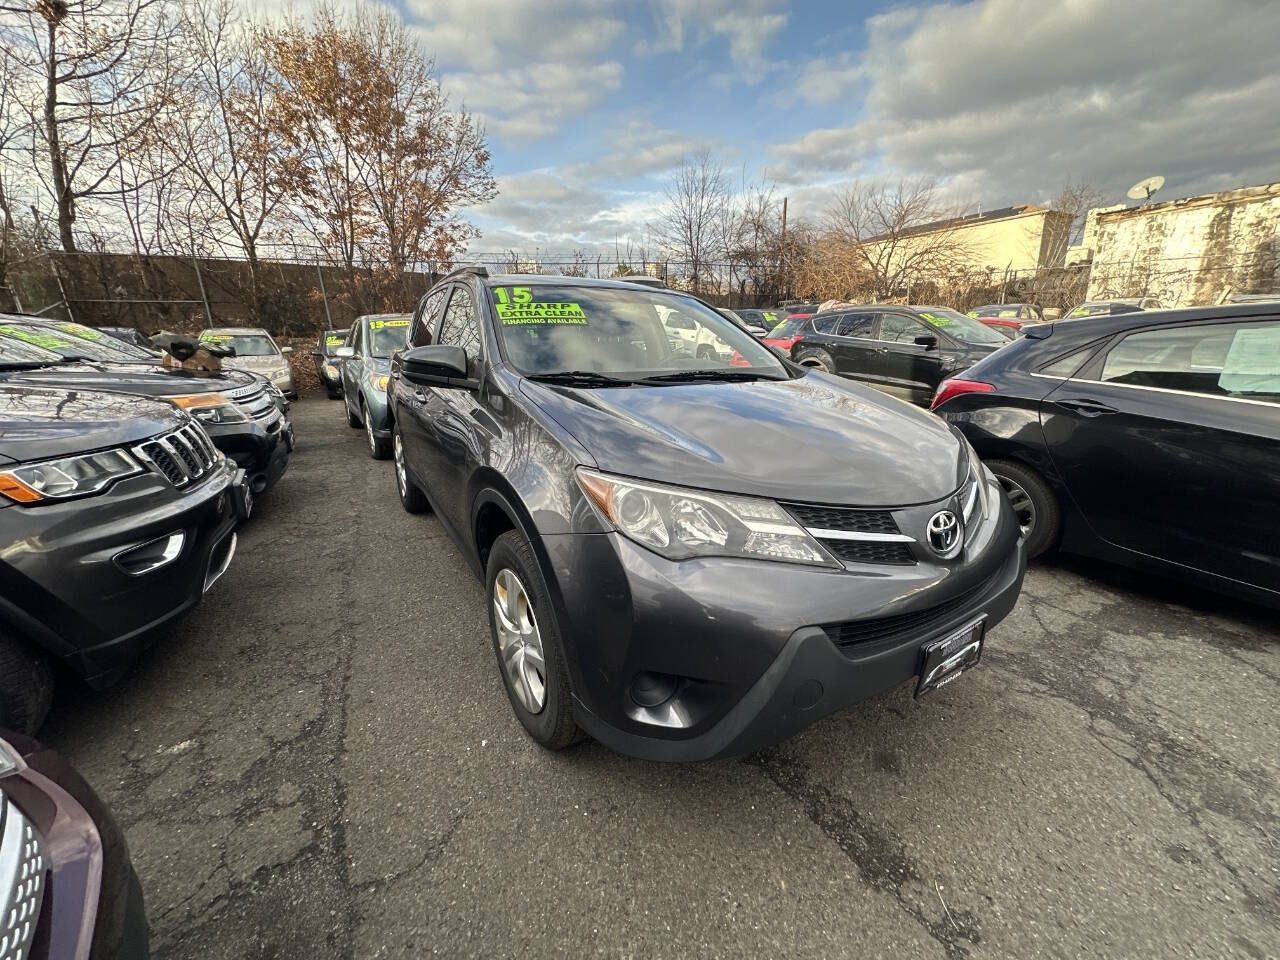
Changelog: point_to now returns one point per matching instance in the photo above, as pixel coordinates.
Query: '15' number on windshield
(518, 295)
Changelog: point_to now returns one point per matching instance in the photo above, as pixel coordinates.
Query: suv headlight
(66, 477)
(679, 523)
(379, 381)
(211, 408)
(975, 488)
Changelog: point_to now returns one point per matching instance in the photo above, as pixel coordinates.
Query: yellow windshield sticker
(334, 341)
(215, 338)
(1079, 312)
(46, 340)
(514, 314)
(379, 324)
(936, 320)
(84, 333)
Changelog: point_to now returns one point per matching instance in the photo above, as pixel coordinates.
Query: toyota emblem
(943, 533)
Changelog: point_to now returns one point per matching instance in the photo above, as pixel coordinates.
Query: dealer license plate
(942, 661)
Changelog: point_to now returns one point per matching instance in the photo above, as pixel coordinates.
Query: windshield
(108, 343)
(787, 328)
(244, 344)
(59, 343)
(622, 333)
(959, 326)
(1089, 310)
(17, 351)
(332, 340)
(387, 335)
(997, 310)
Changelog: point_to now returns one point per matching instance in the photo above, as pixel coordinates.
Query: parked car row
(615, 461)
(123, 476)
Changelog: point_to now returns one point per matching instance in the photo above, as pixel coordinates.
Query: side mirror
(317, 352)
(926, 340)
(434, 365)
(344, 353)
(286, 350)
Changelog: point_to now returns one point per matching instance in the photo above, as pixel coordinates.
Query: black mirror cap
(926, 340)
(434, 363)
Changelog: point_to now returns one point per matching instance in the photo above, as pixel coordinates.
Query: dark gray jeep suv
(688, 556)
(116, 514)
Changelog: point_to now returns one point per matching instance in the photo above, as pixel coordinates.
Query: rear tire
(552, 725)
(26, 686)
(411, 498)
(817, 359)
(1034, 504)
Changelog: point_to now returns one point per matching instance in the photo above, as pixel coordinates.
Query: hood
(273, 362)
(816, 439)
(38, 424)
(141, 378)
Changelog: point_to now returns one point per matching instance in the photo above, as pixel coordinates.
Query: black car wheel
(378, 449)
(411, 498)
(1034, 504)
(26, 686)
(818, 359)
(526, 642)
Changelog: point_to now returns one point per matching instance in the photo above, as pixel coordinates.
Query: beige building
(1198, 250)
(1018, 238)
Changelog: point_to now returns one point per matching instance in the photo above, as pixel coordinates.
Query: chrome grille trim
(821, 534)
(23, 866)
(182, 456)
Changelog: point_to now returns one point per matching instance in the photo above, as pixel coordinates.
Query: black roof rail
(474, 271)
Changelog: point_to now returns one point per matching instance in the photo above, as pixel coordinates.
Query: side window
(424, 319)
(353, 336)
(1216, 359)
(460, 327)
(826, 323)
(895, 328)
(1067, 366)
(858, 325)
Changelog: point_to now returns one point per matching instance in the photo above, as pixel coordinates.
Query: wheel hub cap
(1023, 508)
(402, 481)
(519, 641)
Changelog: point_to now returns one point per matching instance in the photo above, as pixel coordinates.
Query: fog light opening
(649, 689)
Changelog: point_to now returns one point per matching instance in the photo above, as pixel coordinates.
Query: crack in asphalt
(879, 854)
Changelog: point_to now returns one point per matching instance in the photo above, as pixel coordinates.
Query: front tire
(26, 686)
(411, 498)
(527, 644)
(378, 449)
(1034, 504)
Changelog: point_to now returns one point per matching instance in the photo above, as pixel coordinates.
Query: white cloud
(1008, 99)
(531, 101)
(747, 25)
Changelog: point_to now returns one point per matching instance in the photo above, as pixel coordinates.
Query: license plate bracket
(942, 661)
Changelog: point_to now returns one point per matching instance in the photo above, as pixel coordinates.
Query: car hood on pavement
(812, 439)
(143, 378)
(40, 424)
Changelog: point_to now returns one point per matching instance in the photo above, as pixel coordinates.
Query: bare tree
(691, 223)
(897, 233)
(105, 71)
(1075, 200)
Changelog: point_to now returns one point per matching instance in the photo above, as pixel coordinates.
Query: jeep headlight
(66, 477)
(210, 408)
(679, 523)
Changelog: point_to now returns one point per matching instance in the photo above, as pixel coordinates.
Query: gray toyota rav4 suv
(688, 556)
(117, 513)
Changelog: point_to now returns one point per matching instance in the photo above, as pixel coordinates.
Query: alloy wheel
(1024, 509)
(368, 429)
(519, 641)
(402, 478)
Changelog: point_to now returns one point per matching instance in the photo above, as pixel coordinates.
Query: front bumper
(64, 584)
(753, 667)
(260, 446)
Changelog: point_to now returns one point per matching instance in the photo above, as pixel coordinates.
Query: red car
(792, 328)
(1008, 318)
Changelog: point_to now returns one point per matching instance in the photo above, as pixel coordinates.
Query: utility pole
(782, 249)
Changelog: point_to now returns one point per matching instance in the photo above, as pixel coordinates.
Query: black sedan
(1147, 438)
(325, 353)
(905, 351)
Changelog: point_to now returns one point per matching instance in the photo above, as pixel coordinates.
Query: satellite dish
(1143, 189)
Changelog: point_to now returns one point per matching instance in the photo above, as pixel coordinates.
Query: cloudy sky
(588, 104)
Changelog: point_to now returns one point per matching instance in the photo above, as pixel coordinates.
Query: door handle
(1086, 407)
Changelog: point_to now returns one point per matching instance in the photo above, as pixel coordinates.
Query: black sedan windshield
(65, 346)
(548, 329)
(17, 351)
(116, 346)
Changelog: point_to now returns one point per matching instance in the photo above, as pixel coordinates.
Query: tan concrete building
(1198, 250)
(1018, 238)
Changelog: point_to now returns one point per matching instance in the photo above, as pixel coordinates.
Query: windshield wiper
(580, 378)
(708, 376)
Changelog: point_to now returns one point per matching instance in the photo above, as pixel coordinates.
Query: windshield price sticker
(334, 341)
(516, 306)
(45, 340)
(379, 324)
(83, 334)
(215, 338)
(936, 320)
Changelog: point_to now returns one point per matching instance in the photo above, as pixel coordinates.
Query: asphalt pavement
(320, 761)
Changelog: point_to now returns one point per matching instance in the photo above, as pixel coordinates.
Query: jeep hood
(817, 439)
(38, 424)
